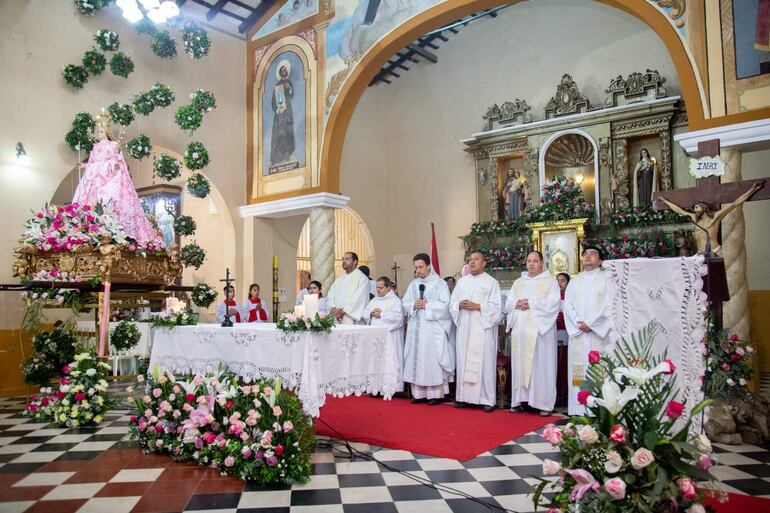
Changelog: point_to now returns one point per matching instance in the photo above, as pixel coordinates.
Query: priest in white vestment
(349, 294)
(532, 306)
(386, 310)
(429, 353)
(589, 321)
(476, 310)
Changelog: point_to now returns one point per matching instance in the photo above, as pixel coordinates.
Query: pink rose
(246, 453)
(229, 461)
(641, 458)
(66, 369)
(287, 426)
(594, 357)
(277, 411)
(550, 468)
(552, 434)
(616, 487)
(687, 487)
(583, 396)
(671, 366)
(618, 434)
(704, 462)
(156, 393)
(674, 409)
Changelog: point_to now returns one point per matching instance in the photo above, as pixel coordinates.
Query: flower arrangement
(196, 40)
(122, 314)
(188, 118)
(627, 455)
(94, 62)
(125, 336)
(145, 26)
(150, 248)
(50, 295)
(320, 323)
(198, 185)
(75, 76)
(56, 346)
(192, 255)
(203, 295)
(196, 156)
(163, 45)
(81, 136)
(649, 244)
(90, 7)
(143, 104)
(37, 370)
(254, 431)
(69, 227)
(139, 147)
(121, 113)
(203, 100)
(107, 40)
(506, 256)
(644, 216)
(728, 365)
(167, 167)
(562, 200)
(501, 228)
(175, 314)
(80, 399)
(121, 65)
(184, 225)
(162, 95)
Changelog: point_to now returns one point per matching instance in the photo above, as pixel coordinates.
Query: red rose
(594, 357)
(80, 396)
(671, 366)
(279, 450)
(190, 397)
(734, 337)
(674, 409)
(583, 396)
(229, 405)
(132, 420)
(60, 395)
(736, 357)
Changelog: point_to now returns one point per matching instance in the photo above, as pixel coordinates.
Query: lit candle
(310, 304)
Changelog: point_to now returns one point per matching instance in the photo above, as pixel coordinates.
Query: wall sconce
(21, 154)
(579, 178)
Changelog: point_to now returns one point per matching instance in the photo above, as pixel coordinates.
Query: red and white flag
(434, 250)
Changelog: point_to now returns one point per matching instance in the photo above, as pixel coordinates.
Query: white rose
(91, 372)
(588, 435)
(641, 458)
(64, 388)
(703, 444)
(614, 462)
(551, 468)
(696, 508)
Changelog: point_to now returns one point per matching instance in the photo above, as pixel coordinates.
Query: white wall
(402, 147)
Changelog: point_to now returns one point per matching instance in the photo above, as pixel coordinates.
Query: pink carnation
(552, 434)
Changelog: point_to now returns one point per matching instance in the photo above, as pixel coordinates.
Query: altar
(350, 360)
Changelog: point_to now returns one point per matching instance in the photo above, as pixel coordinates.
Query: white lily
(613, 399)
(639, 375)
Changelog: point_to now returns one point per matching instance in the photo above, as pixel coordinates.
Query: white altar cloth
(349, 360)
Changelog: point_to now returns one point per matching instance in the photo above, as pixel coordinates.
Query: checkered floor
(52, 470)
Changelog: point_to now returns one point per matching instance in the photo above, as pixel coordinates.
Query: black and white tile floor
(55, 470)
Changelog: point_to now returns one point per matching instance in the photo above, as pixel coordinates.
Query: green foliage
(90, 7)
(728, 368)
(121, 65)
(94, 62)
(161, 95)
(203, 295)
(57, 346)
(145, 26)
(81, 136)
(125, 336)
(188, 118)
(192, 255)
(185, 225)
(163, 45)
(196, 157)
(37, 370)
(75, 76)
(204, 101)
(196, 40)
(143, 104)
(107, 40)
(167, 167)
(139, 147)
(198, 185)
(121, 113)
(320, 323)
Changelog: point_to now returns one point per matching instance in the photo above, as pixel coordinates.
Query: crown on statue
(106, 123)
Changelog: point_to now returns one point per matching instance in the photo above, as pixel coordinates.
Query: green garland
(196, 40)
(167, 167)
(203, 295)
(203, 100)
(644, 216)
(121, 113)
(107, 40)
(57, 346)
(321, 323)
(196, 157)
(161, 95)
(163, 45)
(188, 118)
(185, 225)
(139, 147)
(94, 62)
(75, 76)
(125, 336)
(198, 185)
(143, 104)
(121, 65)
(90, 7)
(186, 318)
(81, 136)
(192, 255)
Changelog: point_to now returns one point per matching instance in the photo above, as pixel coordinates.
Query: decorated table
(349, 360)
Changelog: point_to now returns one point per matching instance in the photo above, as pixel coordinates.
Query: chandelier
(157, 11)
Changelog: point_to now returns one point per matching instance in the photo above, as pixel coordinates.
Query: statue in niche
(513, 193)
(645, 178)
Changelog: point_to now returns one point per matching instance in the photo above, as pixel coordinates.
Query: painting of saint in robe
(282, 138)
(283, 122)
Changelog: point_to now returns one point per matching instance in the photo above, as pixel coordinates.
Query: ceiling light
(127, 4)
(170, 9)
(150, 4)
(579, 178)
(133, 15)
(157, 16)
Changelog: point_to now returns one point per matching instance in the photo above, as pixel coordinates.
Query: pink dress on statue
(106, 179)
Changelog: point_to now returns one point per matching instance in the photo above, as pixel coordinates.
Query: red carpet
(443, 430)
(740, 504)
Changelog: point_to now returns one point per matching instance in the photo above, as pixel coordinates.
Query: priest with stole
(476, 310)
(588, 318)
(532, 306)
(349, 294)
(429, 353)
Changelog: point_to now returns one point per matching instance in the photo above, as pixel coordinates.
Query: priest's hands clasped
(467, 304)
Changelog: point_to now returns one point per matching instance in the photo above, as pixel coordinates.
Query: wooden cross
(395, 270)
(227, 323)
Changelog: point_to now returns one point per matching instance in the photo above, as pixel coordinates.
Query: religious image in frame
(283, 115)
(162, 204)
(751, 29)
(560, 244)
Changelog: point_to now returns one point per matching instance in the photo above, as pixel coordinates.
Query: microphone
(422, 290)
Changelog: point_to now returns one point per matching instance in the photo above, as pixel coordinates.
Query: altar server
(304, 283)
(588, 318)
(532, 306)
(476, 311)
(429, 353)
(229, 307)
(253, 308)
(386, 310)
(349, 294)
(315, 287)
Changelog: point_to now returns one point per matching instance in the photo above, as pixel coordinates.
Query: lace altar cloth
(349, 360)
(669, 291)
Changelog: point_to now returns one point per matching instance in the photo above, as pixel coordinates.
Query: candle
(299, 311)
(275, 262)
(310, 304)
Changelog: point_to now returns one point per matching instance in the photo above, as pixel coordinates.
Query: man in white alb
(386, 310)
(429, 354)
(349, 294)
(532, 307)
(588, 318)
(476, 310)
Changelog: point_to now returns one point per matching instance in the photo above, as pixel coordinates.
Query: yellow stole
(530, 331)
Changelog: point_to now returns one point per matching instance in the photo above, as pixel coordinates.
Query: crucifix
(227, 323)
(395, 270)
